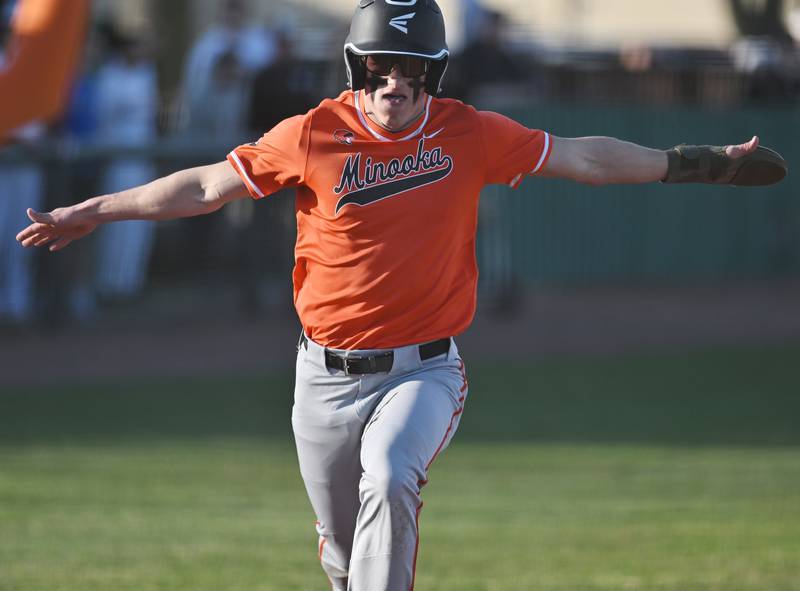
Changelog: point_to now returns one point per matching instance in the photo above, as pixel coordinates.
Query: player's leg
(327, 433)
(412, 423)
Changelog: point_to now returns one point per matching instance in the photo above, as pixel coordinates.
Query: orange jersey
(385, 252)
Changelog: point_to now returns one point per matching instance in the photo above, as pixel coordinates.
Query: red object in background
(41, 55)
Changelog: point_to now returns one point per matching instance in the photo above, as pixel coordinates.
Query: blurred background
(632, 362)
(163, 86)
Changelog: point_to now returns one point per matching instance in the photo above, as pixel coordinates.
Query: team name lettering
(356, 176)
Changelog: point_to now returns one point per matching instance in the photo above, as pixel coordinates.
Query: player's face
(394, 99)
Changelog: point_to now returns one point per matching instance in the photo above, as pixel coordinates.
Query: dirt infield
(179, 337)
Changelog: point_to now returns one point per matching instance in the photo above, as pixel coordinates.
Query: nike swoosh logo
(428, 136)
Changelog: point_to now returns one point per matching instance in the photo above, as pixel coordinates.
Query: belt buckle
(346, 365)
(346, 361)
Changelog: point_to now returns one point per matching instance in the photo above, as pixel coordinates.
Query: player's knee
(390, 486)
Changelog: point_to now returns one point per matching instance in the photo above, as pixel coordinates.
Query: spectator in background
(491, 77)
(21, 180)
(761, 18)
(70, 291)
(217, 78)
(280, 90)
(253, 46)
(473, 19)
(126, 100)
(219, 114)
(766, 51)
(220, 110)
(485, 63)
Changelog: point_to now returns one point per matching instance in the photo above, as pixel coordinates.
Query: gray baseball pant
(364, 445)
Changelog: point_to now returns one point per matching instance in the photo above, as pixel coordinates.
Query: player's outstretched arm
(605, 160)
(186, 193)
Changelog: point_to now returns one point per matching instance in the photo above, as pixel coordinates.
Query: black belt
(379, 363)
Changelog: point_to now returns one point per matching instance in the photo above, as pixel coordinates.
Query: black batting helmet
(407, 27)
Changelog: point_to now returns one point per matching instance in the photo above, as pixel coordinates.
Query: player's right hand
(57, 228)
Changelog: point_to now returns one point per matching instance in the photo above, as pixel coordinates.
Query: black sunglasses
(382, 64)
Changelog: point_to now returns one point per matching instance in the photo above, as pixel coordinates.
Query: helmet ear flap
(433, 80)
(356, 71)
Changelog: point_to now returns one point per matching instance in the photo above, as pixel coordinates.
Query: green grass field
(677, 472)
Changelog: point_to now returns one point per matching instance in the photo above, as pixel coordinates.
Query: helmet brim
(373, 48)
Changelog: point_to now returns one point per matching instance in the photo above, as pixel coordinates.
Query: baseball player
(387, 179)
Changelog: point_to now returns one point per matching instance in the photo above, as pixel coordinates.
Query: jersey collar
(382, 134)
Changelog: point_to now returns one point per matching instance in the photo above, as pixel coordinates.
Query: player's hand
(741, 165)
(739, 150)
(57, 228)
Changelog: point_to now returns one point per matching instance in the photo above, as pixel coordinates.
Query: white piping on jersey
(517, 178)
(362, 117)
(244, 174)
(544, 153)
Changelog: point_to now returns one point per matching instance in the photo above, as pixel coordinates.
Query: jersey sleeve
(512, 150)
(277, 160)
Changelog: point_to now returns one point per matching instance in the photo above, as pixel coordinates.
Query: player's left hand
(744, 165)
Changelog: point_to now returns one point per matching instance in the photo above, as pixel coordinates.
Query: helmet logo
(401, 22)
(401, 2)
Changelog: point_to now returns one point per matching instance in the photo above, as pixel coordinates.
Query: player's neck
(399, 128)
(370, 111)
